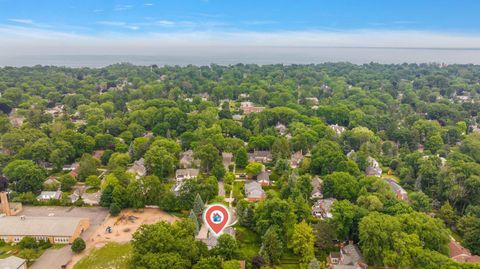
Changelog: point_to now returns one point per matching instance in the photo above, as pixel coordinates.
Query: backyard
(111, 256)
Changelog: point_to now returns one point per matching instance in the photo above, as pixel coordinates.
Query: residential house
(181, 175)
(311, 101)
(74, 197)
(227, 159)
(249, 107)
(337, 129)
(188, 173)
(296, 159)
(373, 168)
(316, 193)
(15, 119)
(323, 208)
(263, 178)
(73, 168)
(97, 154)
(254, 191)
(281, 128)
(210, 240)
(51, 183)
(91, 199)
(261, 156)
(49, 195)
(349, 257)
(13, 262)
(187, 159)
(461, 254)
(138, 168)
(55, 111)
(237, 117)
(397, 189)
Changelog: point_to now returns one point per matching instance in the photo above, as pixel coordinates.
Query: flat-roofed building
(13, 262)
(58, 230)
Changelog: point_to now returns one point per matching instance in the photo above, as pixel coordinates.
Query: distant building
(55, 111)
(13, 262)
(73, 168)
(261, 156)
(311, 101)
(211, 241)
(249, 107)
(461, 254)
(316, 193)
(349, 257)
(296, 159)
(74, 197)
(61, 230)
(97, 154)
(237, 117)
(51, 183)
(138, 168)
(91, 198)
(323, 208)
(188, 173)
(281, 128)
(254, 191)
(187, 159)
(373, 168)
(49, 195)
(397, 189)
(263, 178)
(337, 129)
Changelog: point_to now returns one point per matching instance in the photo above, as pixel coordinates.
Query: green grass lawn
(238, 190)
(111, 256)
(249, 242)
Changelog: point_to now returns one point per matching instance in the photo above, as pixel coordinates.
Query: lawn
(250, 243)
(112, 255)
(29, 254)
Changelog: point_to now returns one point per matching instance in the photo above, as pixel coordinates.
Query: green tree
(253, 169)
(93, 181)
(114, 209)
(67, 182)
(208, 156)
(87, 167)
(159, 161)
(272, 247)
(232, 264)
(27, 176)
(314, 264)
(227, 247)
(341, 185)
(241, 158)
(303, 242)
(420, 201)
(78, 245)
(198, 206)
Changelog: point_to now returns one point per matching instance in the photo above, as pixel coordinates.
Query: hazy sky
(47, 27)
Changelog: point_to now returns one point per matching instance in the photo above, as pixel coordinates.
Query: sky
(146, 26)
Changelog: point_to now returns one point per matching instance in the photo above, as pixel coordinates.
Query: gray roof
(38, 226)
(253, 189)
(46, 195)
(12, 262)
(189, 172)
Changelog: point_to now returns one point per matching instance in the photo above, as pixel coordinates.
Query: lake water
(257, 55)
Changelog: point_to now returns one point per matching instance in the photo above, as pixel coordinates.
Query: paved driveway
(53, 258)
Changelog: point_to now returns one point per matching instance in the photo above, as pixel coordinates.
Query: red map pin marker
(216, 217)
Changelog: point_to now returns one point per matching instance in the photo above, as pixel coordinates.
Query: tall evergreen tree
(272, 247)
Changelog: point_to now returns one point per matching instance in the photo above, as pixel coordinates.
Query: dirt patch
(122, 228)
